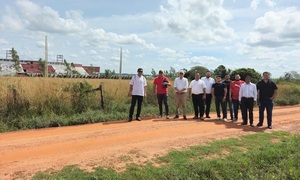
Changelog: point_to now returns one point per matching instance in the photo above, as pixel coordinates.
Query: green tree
(292, 75)
(42, 65)
(172, 72)
(222, 71)
(191, 73)
(243, 72)
(107, 73)
(153, 72)
(16, 60)
(113, 72)
(68, 67)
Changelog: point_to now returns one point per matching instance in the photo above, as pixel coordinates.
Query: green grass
(259, 156)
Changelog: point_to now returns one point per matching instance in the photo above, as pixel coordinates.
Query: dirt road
(115, 144)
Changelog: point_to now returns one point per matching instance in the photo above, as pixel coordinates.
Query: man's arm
(225, 92)
(275, 94)
(130, 90)
(154, 87)
(213, 92)
(145, 91)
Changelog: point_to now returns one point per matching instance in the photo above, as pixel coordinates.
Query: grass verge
(259, 156)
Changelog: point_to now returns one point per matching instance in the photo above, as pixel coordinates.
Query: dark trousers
(207, 104)
(163, 98)
(218, 102)
(247, 105)
(268, 105)
(236, 106)
(229, 104)
(198, 104)
(139, 100)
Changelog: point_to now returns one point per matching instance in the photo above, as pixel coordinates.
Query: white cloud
(3, 42)
(276, 29)
(195, 21)
(36, 18)
(270, 3)
(255, 3)
(11, 20)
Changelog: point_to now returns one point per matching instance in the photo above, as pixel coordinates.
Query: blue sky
(158, 34)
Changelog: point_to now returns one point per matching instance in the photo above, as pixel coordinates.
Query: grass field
(259, 156)
(28, 103)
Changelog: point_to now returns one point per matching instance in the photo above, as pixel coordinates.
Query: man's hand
(224, 99)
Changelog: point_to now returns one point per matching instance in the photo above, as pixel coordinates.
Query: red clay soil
(115, 144)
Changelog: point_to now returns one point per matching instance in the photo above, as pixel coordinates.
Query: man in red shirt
(234, 95)
(160, 87)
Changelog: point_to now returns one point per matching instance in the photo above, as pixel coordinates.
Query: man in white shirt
(180, 86)
(247, 99)
(197, 90)
(137, 90)
(209, 81)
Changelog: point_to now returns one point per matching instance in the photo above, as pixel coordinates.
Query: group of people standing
(236, 94)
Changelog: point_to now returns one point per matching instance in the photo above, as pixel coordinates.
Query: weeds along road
(114, 144)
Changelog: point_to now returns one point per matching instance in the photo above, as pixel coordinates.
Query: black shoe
(207, 117)
(259, 124)
(129, 119)
(176, 117)
(195, 117)
(184, 117)
(252, 125)
(244, 123)
(138, 119)
(270, 127)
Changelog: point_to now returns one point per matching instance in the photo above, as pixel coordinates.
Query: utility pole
(120, 70)
(46, 57)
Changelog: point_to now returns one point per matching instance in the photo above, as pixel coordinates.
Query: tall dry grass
(35, 102)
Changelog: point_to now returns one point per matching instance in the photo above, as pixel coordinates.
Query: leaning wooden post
(101, 96)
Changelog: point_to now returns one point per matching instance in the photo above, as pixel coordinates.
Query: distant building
(33, 68)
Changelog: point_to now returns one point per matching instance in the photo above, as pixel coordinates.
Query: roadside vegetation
(36, 102)
(259, 156)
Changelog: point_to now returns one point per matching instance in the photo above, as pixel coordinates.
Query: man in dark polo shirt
(219, 91)
(266, 91)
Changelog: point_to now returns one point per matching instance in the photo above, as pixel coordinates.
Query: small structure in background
(55, 69)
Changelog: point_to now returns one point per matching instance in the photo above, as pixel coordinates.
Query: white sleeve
(132, 80)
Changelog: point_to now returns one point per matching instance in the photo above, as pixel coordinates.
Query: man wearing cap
(137, 90)
(180, 86)
(160, 87)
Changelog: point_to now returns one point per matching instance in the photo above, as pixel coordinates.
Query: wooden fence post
(101, 96)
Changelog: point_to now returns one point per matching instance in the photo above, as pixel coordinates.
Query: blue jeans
(268, 105)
